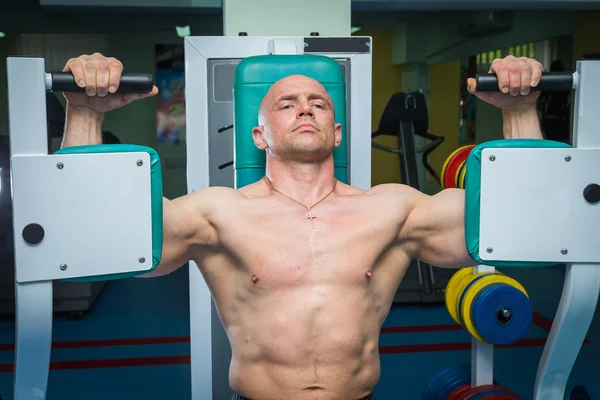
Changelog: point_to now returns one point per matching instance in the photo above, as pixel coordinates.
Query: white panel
(287, 18)
(532, 205)
(95, 212)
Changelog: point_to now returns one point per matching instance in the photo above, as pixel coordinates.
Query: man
(303, 269)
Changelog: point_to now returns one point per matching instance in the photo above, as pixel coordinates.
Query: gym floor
(134, 344)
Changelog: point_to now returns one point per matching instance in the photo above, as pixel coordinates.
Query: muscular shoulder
(397, 193)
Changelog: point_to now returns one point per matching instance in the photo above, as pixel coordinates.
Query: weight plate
(582, 392)
(490, 309)
(436, 384)
(461, 377)
(451, 294)
(489, 392)
(453, 163)
(462, 177)
(463, 291)
(458, 391)
(459, 170)
(472, 291)
(461, 284)
(446, 161)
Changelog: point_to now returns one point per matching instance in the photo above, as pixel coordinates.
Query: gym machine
(57, 245)
(527, 202)
(65, 210)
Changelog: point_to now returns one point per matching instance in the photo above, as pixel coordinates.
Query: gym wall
(387, 80)
(425, 46)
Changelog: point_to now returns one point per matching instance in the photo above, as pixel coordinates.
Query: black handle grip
(130, 83)
(549, 82)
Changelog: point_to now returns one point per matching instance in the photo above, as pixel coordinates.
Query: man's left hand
(516, 77)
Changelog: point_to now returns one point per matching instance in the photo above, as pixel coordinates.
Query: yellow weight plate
(459, 171)
(445, 165)
(472, 292)
(451, 293)
(461, 178)
(460, 287)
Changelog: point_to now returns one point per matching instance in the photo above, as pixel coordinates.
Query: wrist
(84, 112)
(521, 122)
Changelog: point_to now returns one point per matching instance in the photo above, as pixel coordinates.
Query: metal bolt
(567, 158)
(489, 249)
(305, 44)
(63, 267)
(60, 165)
(140, 163)
(492, 158)
(142, 260)
(368, 44)
(564, 251)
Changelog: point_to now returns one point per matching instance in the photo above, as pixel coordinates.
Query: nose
(305, 110)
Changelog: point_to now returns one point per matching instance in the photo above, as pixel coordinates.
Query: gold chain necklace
(308, 208)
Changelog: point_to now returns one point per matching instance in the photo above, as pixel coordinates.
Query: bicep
(435, 229)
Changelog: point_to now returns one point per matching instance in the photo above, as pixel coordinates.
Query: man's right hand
(100, 76)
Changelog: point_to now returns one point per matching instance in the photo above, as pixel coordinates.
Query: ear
(337, 135)
(259, 140)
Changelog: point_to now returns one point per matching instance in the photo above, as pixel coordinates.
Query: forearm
(521, 122)
(82, 126)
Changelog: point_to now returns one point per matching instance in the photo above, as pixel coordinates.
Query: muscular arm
(434, 229)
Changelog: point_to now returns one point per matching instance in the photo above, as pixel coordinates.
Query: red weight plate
(454, 164)
(458, 391)
(468, 395)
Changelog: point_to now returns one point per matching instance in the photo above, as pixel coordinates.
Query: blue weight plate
(487, 305)
(462, 296)
(582, 392)
(437, 383)
(452, 384)
(433, 383)
(454, 373)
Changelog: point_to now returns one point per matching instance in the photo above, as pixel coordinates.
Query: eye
(286, 106)
(318, 105)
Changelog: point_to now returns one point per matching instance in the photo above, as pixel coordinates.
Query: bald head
(291, 88)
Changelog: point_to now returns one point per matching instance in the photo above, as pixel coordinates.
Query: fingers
(517, 75)
(499, 67)
(99, 75)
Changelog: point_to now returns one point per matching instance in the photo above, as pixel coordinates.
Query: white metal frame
(198, 50)
(582, 279)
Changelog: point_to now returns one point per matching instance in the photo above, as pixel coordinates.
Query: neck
(304, 182)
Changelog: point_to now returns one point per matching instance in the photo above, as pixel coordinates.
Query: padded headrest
(254, 76)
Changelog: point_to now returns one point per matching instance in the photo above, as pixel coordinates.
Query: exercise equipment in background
(454, 383)
(406, 117)
(454, 169)
(491, 306)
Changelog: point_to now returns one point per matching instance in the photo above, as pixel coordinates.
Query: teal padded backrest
(253, 78)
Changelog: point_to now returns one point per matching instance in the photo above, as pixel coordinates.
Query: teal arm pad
(155, 201)
(473, 196)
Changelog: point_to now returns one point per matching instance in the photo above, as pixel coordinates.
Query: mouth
(305, 127)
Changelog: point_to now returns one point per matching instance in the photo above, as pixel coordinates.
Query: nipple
(368, 273)
(254, 278)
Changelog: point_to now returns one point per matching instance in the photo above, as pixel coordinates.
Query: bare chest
(285, 245)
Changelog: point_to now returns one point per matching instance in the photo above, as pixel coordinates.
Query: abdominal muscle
(311, 342)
